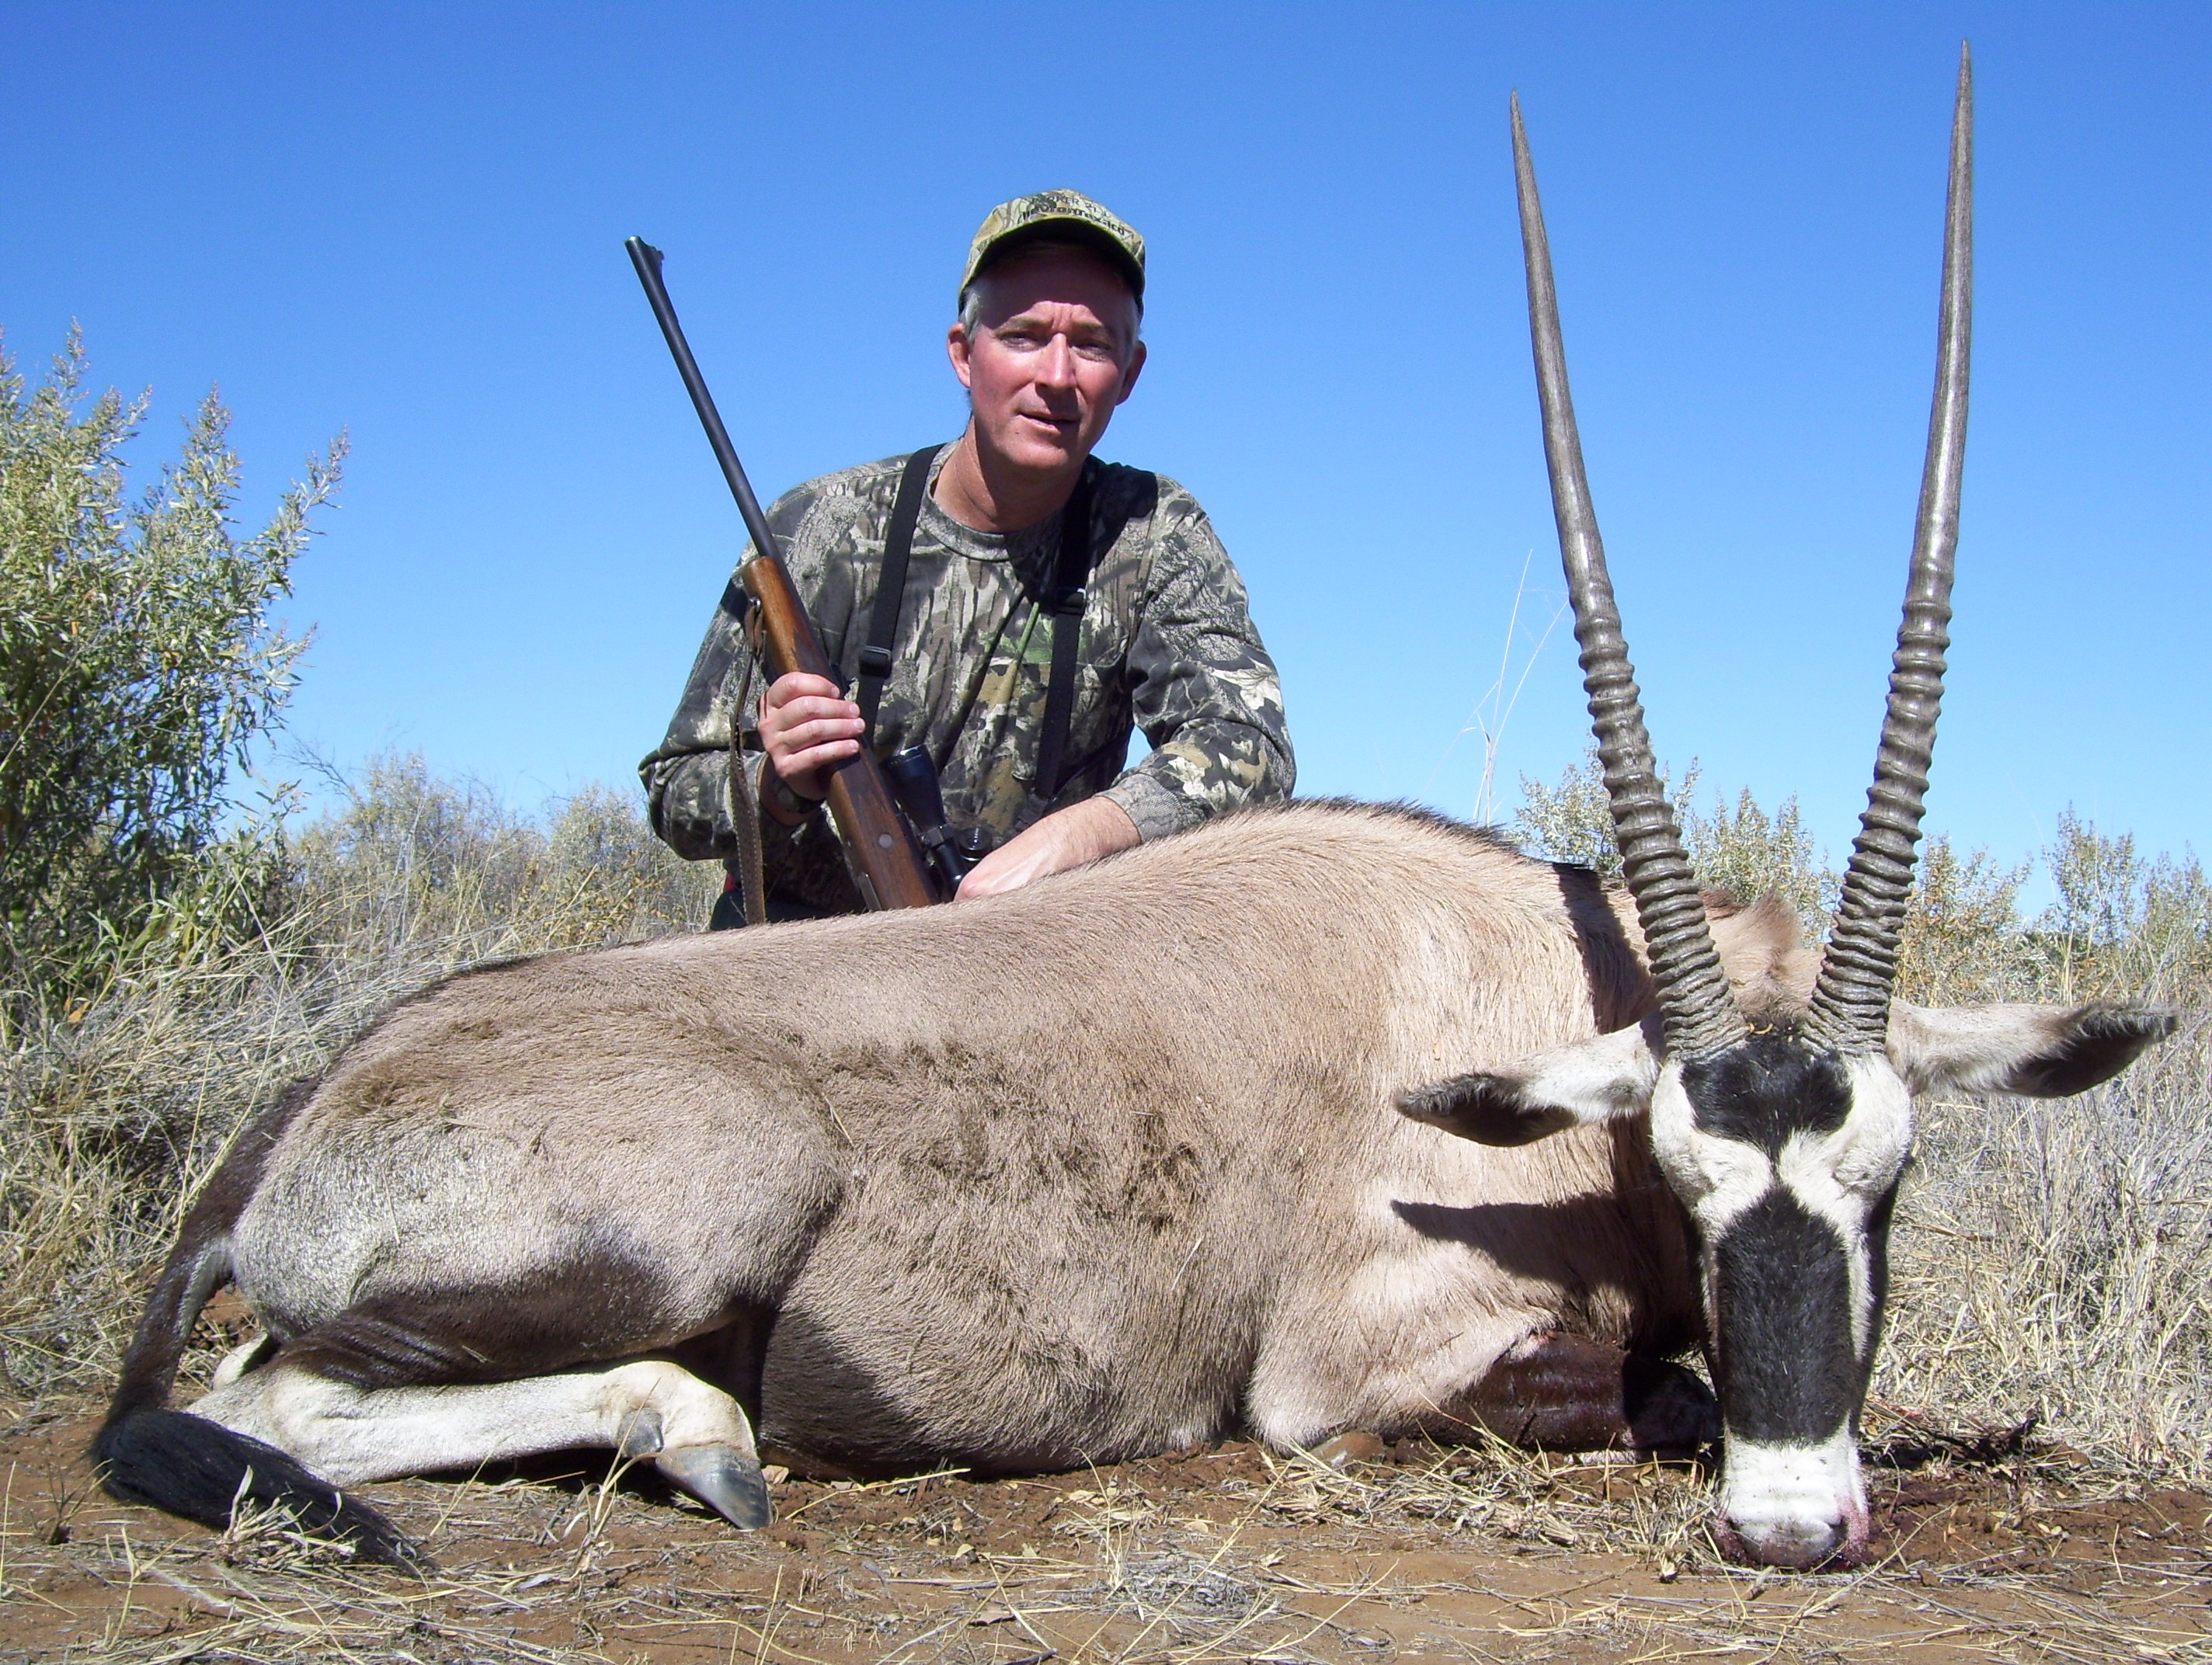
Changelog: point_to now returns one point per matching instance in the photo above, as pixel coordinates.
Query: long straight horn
(1700, 1014)
(1849, 1010)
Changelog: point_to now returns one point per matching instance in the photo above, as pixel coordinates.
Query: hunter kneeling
(1047, 604)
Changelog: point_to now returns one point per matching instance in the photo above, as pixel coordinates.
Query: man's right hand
(805, 728)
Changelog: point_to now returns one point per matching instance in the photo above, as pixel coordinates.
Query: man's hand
(805, 726)
(1067, 838)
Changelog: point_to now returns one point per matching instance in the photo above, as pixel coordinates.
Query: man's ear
(2040, 1051)
(1137, 356)
(1591, 1081)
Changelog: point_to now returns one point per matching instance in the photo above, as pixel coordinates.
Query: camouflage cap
(1067, 214)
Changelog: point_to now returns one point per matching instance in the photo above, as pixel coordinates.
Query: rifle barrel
(887, 868)
(647, 258)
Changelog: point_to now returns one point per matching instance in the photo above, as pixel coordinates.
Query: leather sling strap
(1067, 600)
(746, 867)
(891, 590)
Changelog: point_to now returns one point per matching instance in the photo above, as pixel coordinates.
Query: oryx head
(1782, 1134)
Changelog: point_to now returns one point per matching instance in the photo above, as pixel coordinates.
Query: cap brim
(1060, 229)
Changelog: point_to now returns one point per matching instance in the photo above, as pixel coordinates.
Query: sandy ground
(1987, 1550)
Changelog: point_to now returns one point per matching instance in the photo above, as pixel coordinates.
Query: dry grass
(2053, 1258)
(1230, 1555)
(117, 1103)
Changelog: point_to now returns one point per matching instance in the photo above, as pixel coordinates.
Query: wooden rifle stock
(886, 865)
(887, 868)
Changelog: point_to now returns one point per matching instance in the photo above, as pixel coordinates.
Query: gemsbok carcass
(1328, 1117)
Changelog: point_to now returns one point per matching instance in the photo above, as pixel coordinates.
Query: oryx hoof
(727, 1481)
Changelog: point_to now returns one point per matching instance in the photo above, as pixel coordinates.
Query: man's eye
(1096, 349)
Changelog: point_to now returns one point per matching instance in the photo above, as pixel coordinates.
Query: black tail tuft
(200, 1469)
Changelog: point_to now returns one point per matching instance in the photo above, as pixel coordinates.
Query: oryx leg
(694, 1434)
(1560, 1392)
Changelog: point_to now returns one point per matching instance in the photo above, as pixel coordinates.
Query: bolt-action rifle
(887, 868)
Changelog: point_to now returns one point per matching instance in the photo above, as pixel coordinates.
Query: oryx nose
(1801, 1545)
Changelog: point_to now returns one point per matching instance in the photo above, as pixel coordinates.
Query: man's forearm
(1206, 769)
(1067, 838)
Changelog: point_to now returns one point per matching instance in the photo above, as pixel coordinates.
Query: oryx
(1116, 1162)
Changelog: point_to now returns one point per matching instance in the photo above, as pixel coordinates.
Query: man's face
(1052, 353)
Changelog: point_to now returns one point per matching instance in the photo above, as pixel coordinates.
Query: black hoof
(724, 1479)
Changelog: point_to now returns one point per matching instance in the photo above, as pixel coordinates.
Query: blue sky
(406, 222)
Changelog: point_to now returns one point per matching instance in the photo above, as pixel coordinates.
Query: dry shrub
(440, 873)
(2053, 1258)
(117, 1103)
(1962, 940)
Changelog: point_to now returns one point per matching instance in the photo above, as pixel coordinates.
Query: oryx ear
(1591, 1081)
(2040, 1051)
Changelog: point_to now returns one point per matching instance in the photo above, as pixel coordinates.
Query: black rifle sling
(1067, 600)
(891, 590)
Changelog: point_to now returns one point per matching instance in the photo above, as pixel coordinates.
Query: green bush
(138, 660)
(2121, 921)
(2122, 926)
(1740, 849)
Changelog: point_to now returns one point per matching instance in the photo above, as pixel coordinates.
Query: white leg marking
(349, 1435)
(239, 1360)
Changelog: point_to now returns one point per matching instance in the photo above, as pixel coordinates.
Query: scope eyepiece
(912, 780)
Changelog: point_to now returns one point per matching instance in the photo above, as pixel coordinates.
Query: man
(1047, 344)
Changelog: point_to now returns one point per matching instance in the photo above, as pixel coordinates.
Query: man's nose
(1056, 365)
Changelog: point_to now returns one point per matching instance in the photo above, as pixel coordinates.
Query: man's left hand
(1067, 838)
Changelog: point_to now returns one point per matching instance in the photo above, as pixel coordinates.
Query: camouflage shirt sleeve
(1202, 687)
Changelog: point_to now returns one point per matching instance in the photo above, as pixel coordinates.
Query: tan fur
(1097, 1167)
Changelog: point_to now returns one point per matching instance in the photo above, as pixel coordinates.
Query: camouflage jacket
(1166, 645)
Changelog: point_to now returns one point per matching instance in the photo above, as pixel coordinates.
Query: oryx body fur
(1106, 1166)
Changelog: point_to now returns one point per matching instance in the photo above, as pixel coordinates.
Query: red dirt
(1984, 1553)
